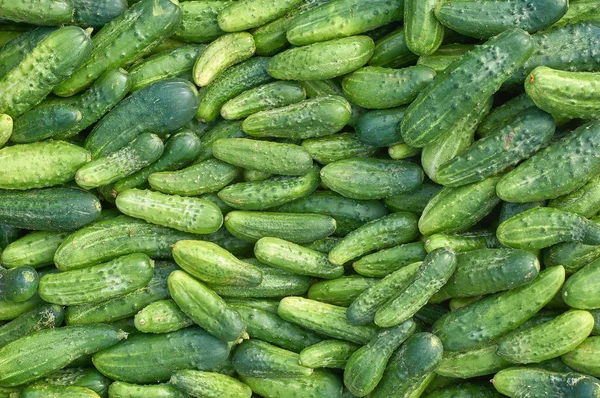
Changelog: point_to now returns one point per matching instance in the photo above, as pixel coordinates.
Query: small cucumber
(472, 363)
(6, 129)
(521, 382)
(584, 357)
(49, 391)
(269, 96)
(403, 151)
(584, 201)
(209, 384)
(423, 32)
(161, 316)
(18, 284)
(199, 22)
(318, 384)
(580, 290)
(88, 378)
(414, 200)
(391, 51)
(44, 121)
(502, 114)
(384, 262)
(42, 317)
(120, 389)
(380, 128)
(444, 56)
(327, 354)
(245, 15)
(255, 358)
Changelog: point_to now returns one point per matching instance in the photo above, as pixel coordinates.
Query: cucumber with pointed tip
(123, 41)
(472, 363)
(21, 363)
(521, 382)
(580, 290)
(18, 284)
(462, 242)
(428, 118)
(441, 58)
(580, 10)
(341, 18)
(269, 96)
(42, 317)
(15, 50)
(209, 384)
(327, 354)
(466, 390)
(369, 178)
(387, 261)
(51, 61)
(6, 129)
(10, 310)
(403, 151)
(255, 358)
(120, 389)
(382, 233)
(374, 87)
(39, 12)
(542, 227)
(205, 307)
(318, 384)
(502, 114)
(414, 200)
(88, 378)
(161, 316)
(199, 22)
(572, 255)
(509, 209)
(583, 201)
(245, 15)
(466, 17)
(367, 365)
(41, 390)
(49, 209)
(508, 309)
(584, 357)
(324, 60)
(341, 291)
(423, 32)
(44, 121)
(190, 348)
(380, 128)
(391, 51)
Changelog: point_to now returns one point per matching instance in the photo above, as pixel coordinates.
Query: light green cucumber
(209, 384)
(14, 51)
(10, 310)
(161, 316)
(583, 201)
(38, 318)
(6, 128)
(444, 56)
(255, 358)
(250, 176)
(323, 88)
(39, 13)
(245, 15)
(414, 200)
(403, 151)
(269, 96)
(385, 262)
(318, 384)
(423, 32)
(35, 250)
(120, 389)
(327, 354)
(580, 10)
(217, 130)
(584, 357)
(472, 363)
(341, 291)
(88, 378)
(41, 390)
(580, 290)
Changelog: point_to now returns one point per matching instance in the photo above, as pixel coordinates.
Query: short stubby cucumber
(245, 15)
(384, 262)
(581, 289)
(341, 291)
(423, 32)
(161, 316)
(381, 127)
(35, 249)
(335, 147)
(391, 51)
(262, 98)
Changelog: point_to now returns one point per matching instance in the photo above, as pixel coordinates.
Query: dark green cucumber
(414, 200)
(88, 378)
(423, 32)
(199, 23)
(444, 56)
(268, 96)
(247, 15)
(318, 384)
(502, 114)
(44, 390)
(472, 363)
(327, 354)
(18, 284)
(209, 384)
(42, 317)
(583, 201)
(572, 254)
(97, 14)
(255, 358)
(384, 262)
(214, 198)
(120, 389)
(8, 234)
(50, 209)
(510, 209)
(465, 390)
(391, 51)
(580, 290)
(43, 121)
(190, 348)
(584, 358)
(14, 51)
(463, 242)
(215, 131)
(380, 128)
(341, 291)
(162, 316)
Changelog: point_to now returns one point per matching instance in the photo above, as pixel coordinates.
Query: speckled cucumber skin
(35, 249)
(120, 389)
(44, 121)
(327, 354)
(429, 117)
(584, 201)
(463, 241)
(319, 384)
(199, 22)
(215, 131)
(580, 10)
(15, 50)
(255, 358)
(82, 377)
(10, 310)
(266, 97)
(45, 390)
(324, 88)
(391, 51)
(465, 390)
(6, 129)
(341, 291)
(384, 262)
(38, 318)
(414, 200)
(97, 14)
(210, 384)
(511, 209)
(472, 363)
(336, 147)
(581, 289)
(444, 56)
(572, 255)
(584, 358)
(423, 32)
(46, 12)
(18, 284)
(163, 316)
(502, 114)
(245, 15)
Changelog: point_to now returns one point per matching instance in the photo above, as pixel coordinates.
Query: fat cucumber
(18, 284)
(44, 121)
(583, 201)
(209, 384)
(580, 290)
(199, 22)
(380, 127)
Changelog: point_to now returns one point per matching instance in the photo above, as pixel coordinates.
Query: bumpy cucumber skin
(88, 378)
(444, 56)
(580, 290)
(43, 122)
(414, 200)
(466, 390)
(341, 291)
(120, 389)
(336, 147)
(380, 128)
(6, 129)
(41, 390)
(510, 209)
(209, 384)
(255, 358)
(327, 354)
(403, 151)
(318, 384)
(384, 262)
(18, 284)
(245, 15)
(124, 40)
(190, 348)
(502, 114)
(10, 310)
(584, 358)
(472, 363)
(433, 114)
(391, 51)
(584, 201)
(580, 10)
(15, 50)
(161, 316)
(323, 88)
(215, 131)
(199, 22)
(38, 318)
(463, 241)
(266, 97)
(423, 32)
(573, 255)
(97, 14)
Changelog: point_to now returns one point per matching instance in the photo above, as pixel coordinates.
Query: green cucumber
(341, 291)
(42, 317)
(472, 363)
(414, 200)
(437, 268)
(6, 129)
(190, 348)
(428, 118)
(8, 234)
(580, 10)
(97, 14)
(382, 233)
(391, 51)
(49, 209)
(380, 128)
(369, 178)
(18, 284)
(88, 378)
(123, 41)
(318, 384)
(216, 131)
(199, 22)
(14, 51)
(209, 384)
(214, 198)
(20, 360)
(508, 310)
(311, 118)
(403, 151)
(99, 282)
(583, 201)
(465, 390)
(245, 15)
(573, 255)
(50, 391)
(35, 250)
(120, 389)
(462, 242)
(580, 290)
(324, 245)
(10, 310)
(44, 121)
(327, 354)
(374, 87)
(324, 88)
(509, 209)
(159, 108)
(584, 357)
(324, 60)
(161, 316)
(502, 114)
(205, 307)
(266, 97)
(423, 32)
(255, 358)
(384, 262)
(444, 56)
(467, 16)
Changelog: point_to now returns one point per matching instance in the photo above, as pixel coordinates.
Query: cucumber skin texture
(266, 97)
(384, 262)
(139, 153)
(509, 210)
(443, 215)
(437, 268)
(502, 114)
(255, 358)
(403, 151)
(373, 87)
(88, 378)
(580, 10)
(205, 307)
(428, 118)
(414, 200)
(192, 348)
(565, 94)
(327, 354)
(199, 22)
(579, 291)
(10, 310)
(311, 118)
(321, 61)
(391, 51)
(583, 201)
(336, 147)
(51, 61)
(42, 317)
(380, 128)
(521, 138)
(217, 130)
(294, 227)
(6, 129)
(40, 390)
(540, 183)
(423, 32)
(266, 156)
(209, 384)
(123, 41)
(463, 242)
(466, 17)
(465, 390)
(323, 88)
(584, 357)
(542, 227)
(123, 275)
(573, 255)
(513, 307)
(42, 122)
(62, 346)
(245, 15)
(444, 56)
(161, 316)
(91, 13)
(15, 50)
(49, 209)
(40, 164)
(472, 363)
(382, 233)
(120, 389)
(340, 18)
(160, 108)
(368, 178)
(18, 284)
(319, 384)
(519, 382)
(548, 340)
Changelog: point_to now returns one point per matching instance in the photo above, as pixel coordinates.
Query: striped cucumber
(327, 354)
(15, 50)
(580, 290)
(38, 13)
(391, 51)
(199, 22)
(209, 384)
(161, 316)
(255, 358)
(42, 317)
(423, 32)
(269, 96)
(245, 15)
(384, 262)
(414, 200)
(584, 358)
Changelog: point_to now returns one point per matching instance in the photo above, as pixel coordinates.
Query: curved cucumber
(387, 261)
(423, 32)
(245, 15)
(341, 291)
(327, 354)
(42, 317)
(209, 384)
(269, 96)
(161, 316)
(584, 358)
(255, 358)
(318, 384)
(414, 200)
(580, 290)
(502, 114)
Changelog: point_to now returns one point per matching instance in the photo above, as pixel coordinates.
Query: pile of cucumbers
(299, 198)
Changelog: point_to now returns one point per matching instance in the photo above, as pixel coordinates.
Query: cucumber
(318, 384)
(35, 250)
(217, 130)
(380, 128)
(486, 271)
(323, 60)
(6, 129)
(139, 153)
(502, 114)
(573, 255)
(391, 51)
(540, 183)
(423, 32)
(199, 22)
(88, 378)
(51, 61)
(120, 389)
(327, 354)
(584, 357)
(20, 360)
(368, 178)
(42, 317)
(465, 390)
(255, 358)
(349, 214)
(49, 209)
(294, 227)
(49, 391)
(221, 54)
(165, 65)
(161, 316)
(427, 118)
(509, 210)
(509, 310)
(190, 348)
(253, 14)
(437, 268)
(341, 18)
(403, 151)
(97, 14)
(8, 234)
(159, 108)
(214, 198)
(414, 200)
(269, 96)
(209, 384)
(205, 307)
(583, 201)
(462, 242)
(97, 283)
(385, 262)
(326, 319)
(472, 363)
(382, 233)
(324, 245)
(443, 57)
(18, 284)
(123, 41)
(15, 50)
(521, 382)
(44, 121)
(580, 290)
(323, 88)
(580, 10)
(541, 227)
(466, 17)
(341, 291)
(374, 87)
(252, 176)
